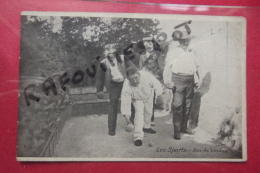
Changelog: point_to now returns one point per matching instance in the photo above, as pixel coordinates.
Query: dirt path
(87, 137)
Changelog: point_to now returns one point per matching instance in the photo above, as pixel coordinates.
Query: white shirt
(147, 86)
(115, 73)
(180, 61)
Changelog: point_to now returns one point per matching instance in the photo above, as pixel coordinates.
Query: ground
(87, 137)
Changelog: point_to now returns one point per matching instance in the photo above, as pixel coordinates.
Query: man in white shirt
(181, 65)
(139, 89)
(111, 73)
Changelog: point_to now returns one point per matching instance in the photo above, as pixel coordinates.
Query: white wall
(219, 47)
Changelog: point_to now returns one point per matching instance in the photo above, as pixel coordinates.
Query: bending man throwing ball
(139, 89)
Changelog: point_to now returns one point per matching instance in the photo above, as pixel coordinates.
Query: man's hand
(127, 118)
(169, 85)
(117, 79)
(159, 101)
(198, 85)
(100, 95)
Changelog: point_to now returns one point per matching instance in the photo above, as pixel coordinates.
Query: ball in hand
(101, 95)
(129, 127)
(159, 101)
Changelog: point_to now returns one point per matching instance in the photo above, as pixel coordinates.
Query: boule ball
(129, 127)
(101, 95)
(159, 101)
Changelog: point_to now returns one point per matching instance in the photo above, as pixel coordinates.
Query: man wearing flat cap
(139, 89)
(181, 66)
(111, 73)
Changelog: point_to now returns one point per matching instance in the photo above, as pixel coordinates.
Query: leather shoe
(177, 136)
(189, 132)
(138, 142)
(151, 131)
(112, 133)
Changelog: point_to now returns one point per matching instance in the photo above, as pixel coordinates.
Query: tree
(79, 42)
(41, 52)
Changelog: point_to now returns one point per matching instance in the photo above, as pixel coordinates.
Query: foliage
(77, 44)
(48, 52)
(38, 121)
(41, 53)
(230, 132)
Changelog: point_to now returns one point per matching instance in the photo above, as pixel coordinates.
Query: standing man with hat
(111, 73)
(152, 61)
(181, 66)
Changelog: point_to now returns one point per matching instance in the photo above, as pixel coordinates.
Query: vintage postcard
(132, 87)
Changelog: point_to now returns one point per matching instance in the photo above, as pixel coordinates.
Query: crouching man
(139, 88)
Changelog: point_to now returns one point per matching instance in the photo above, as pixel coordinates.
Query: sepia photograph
(131, 87)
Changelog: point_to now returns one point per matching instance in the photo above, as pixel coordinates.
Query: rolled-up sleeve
(126, 99)
(196, 59)
(167, 73)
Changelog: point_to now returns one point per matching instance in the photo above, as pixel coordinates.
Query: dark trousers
(183, 93)
(195, 109)
(114, 95)
(152, 119)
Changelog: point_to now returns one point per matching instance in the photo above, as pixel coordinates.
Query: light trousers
(143, 114)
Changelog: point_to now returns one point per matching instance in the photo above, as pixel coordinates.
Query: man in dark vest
(111, 73)
(152, 61)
